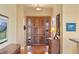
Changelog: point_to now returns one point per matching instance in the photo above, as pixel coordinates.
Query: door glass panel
(29, 31)
(46, 30)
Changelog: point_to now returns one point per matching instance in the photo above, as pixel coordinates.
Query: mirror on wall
(58, 24)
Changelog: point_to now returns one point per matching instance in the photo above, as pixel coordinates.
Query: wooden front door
(38, 29)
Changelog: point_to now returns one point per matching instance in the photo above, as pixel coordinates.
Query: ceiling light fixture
(38, 8)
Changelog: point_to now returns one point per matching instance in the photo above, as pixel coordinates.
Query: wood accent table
(11, 49)
(54, 47)
(76, 40)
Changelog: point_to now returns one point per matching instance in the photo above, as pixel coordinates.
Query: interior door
(38, 29)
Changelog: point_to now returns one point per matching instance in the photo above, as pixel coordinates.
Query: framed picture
(3, 28)
(71, 27)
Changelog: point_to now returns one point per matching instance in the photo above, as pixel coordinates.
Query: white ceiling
(40, 5)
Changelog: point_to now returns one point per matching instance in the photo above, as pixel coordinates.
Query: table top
(9, 49)
(74, 40)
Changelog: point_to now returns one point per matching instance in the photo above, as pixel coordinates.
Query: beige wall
(21, 37)
(70, 13)
(10, 11)
(33, 12)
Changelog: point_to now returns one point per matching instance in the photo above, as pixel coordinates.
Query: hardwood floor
(38, 49)
(23, 51)
(35, 49)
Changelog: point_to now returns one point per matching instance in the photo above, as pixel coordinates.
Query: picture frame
(3, 28)
(70, 27)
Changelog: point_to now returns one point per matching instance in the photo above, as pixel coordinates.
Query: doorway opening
(38, 32)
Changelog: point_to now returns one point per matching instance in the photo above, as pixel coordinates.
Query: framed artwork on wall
(3, 28)
(70, 27)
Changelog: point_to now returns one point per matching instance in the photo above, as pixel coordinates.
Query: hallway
(40, 29)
